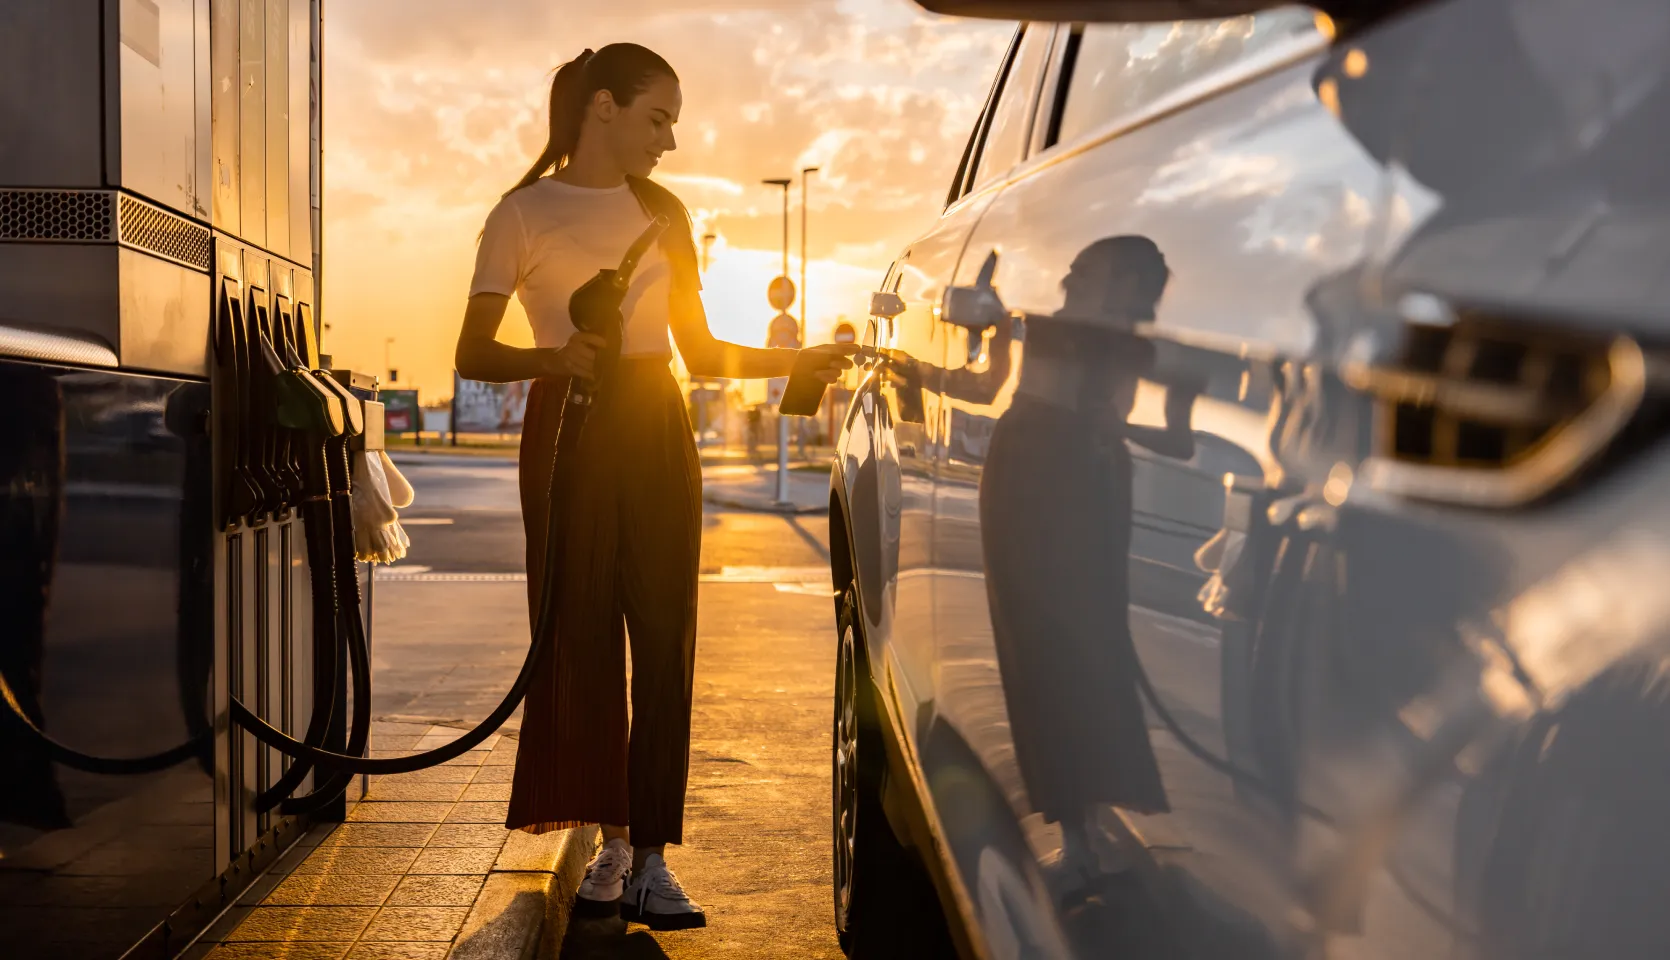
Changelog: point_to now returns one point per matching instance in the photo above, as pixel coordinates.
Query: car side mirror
(973, 308)
(976, 307)
(886, 305)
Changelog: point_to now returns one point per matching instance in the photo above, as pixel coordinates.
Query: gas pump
(175, 533)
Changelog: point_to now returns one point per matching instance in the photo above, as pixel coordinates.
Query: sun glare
(735, 285)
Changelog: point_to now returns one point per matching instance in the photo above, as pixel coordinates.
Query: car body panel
(1401, 706)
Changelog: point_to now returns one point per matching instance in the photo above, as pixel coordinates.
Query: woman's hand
(838, 359)
(576, 358)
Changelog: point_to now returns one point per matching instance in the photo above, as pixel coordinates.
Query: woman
(634, 512)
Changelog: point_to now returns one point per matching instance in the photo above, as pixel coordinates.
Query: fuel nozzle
(595, 306)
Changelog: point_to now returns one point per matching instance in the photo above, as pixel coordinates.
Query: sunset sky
(434, 107)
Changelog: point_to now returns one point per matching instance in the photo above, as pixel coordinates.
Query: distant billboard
(488, 407)
(400, 411)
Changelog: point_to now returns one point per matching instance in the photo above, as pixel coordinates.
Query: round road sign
(780, 293)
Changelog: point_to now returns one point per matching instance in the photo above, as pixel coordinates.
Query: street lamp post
(702, 383)
(785, 185)
(782, 494)
(805, 301)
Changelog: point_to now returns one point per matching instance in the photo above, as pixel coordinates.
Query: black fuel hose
(352, 627)
(316, 516)
(310, 443)
(110, 766)
(342, 621)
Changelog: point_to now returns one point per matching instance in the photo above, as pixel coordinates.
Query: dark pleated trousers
(633, 521)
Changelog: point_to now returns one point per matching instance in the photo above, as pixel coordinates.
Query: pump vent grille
(164, 234)
(83, 216)
(102, 216)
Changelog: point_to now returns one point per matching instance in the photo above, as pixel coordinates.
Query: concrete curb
(524, 907)
(408, 458)
(761, 505)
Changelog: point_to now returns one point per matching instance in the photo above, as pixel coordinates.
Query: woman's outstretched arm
(708, 356)
(480, 356)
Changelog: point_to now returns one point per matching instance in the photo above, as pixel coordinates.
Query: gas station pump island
(184, 628)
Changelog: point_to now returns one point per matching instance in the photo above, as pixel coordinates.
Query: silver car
(1250, 534)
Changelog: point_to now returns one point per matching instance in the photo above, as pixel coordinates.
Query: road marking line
(805, 589)
(425, 576)
(768, 575)
(788, 579)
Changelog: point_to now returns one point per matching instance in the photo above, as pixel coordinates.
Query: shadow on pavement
(811, 541)
(606, 940)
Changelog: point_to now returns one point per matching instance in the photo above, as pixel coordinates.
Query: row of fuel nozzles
(292, 433)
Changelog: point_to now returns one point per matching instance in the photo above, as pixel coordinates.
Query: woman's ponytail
(569, 97)
(623, 69)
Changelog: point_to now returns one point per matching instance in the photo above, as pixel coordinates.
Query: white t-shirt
(546, 240)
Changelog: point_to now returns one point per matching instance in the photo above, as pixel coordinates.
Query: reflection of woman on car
(1055, 518)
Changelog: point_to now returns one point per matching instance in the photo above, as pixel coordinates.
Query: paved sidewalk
(754, 488)
(423, 869)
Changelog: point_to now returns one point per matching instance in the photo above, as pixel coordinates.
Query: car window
(1006, 133)
(1115, 69)
(965, 167)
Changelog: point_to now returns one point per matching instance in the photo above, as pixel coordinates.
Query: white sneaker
(605, 883)
(655, 899)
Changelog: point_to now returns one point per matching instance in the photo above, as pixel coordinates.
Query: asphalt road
(756, 856)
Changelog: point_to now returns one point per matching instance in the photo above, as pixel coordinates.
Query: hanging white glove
(401, 493)
(397, 541)
(378, 537)
(364, 509)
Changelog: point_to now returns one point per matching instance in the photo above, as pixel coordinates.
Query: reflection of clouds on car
(1140, 63)
(1597, 68)
(1543, 152)
(1540, 98)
